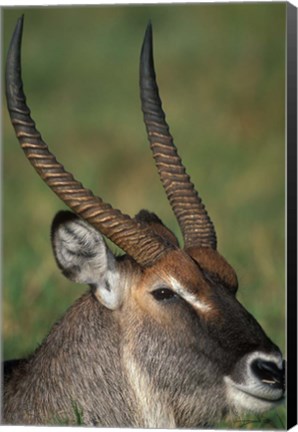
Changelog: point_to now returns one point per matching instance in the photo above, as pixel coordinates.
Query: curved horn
(197, 227)
(134, 237)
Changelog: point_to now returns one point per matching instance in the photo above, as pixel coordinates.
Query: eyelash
(164, 294)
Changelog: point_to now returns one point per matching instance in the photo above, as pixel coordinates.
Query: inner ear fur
(157, 226)
(83, 256)
(215, 264)
(80, 250)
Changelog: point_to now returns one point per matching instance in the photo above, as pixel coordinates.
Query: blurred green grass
(221, 73)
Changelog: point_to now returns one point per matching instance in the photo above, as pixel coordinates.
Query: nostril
(269, 373)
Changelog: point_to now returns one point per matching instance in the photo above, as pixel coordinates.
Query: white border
(11, 4)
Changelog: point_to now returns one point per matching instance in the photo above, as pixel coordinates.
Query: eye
(164, 294)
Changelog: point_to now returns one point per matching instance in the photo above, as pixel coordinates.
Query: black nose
(269, 373)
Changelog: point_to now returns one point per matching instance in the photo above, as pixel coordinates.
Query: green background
(221, 73)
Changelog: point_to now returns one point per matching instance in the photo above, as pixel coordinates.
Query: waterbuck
(159, 339)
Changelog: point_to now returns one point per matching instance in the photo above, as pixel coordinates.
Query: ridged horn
(196, 226)
(134, 237)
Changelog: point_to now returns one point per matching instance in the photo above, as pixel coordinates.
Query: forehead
(178, 267)
(178, 272)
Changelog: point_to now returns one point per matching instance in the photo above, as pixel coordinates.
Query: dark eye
(162, 294)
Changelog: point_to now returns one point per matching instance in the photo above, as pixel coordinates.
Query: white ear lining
(108, 290)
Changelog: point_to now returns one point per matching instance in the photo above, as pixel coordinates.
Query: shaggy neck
(77, 375)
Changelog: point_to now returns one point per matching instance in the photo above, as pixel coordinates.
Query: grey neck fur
(102, 396)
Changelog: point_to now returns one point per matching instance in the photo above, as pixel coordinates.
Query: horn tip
(17, 35)
(19, 25)
(21, 18)
(149, 27)
(147, 66)
(13, 74)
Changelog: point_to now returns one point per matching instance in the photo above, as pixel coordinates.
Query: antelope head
(191, 352)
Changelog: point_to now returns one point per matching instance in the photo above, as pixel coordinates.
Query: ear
(157, 226)
(83, 257)
(215, 264)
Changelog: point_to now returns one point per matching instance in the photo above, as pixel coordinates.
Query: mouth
(260, 386)
(256, 397)
(267, 391)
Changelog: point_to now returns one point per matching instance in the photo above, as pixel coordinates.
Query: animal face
(184, 335)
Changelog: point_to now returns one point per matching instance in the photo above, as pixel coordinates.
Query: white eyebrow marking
(190, 298)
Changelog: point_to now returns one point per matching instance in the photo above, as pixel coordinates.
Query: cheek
(147, 308)
(163, 333)
(173, 359)
(167, 337)
(166, 324)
